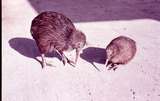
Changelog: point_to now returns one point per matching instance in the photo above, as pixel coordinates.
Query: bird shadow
(27, 47)
(94, 54)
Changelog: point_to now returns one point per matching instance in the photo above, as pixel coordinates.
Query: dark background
(101, 10)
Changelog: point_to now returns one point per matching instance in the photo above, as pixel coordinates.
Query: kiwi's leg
(77, 55)
(43, 60)
(106, 63)
(62, 56)
(70, 62)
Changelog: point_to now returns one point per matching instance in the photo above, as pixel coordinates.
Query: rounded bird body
(53, 31)
(120, 51)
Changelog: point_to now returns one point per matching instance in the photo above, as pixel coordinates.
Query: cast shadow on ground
(27, 47)
(94, 55)
(101, 10)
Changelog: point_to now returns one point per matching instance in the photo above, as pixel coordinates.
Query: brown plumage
(53, 31)
(120, 51)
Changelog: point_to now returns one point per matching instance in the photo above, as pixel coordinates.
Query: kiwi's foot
(113, 66)
(50, 64)
(43, 64)
(71, 63)
(64, 62)
(68, 61)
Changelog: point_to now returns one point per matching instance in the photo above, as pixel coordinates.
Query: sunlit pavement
(23, 79)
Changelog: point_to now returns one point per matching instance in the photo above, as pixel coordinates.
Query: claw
(71, 62)
(64, 58)
(113, 66)
(50, 64)
(64, 62)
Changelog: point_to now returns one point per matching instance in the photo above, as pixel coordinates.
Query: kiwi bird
(53, 31)
(120, 51)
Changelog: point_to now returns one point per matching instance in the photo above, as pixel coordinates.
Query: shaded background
(101, 10)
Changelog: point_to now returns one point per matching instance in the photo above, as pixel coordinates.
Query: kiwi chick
(120, 51)
(53, 31)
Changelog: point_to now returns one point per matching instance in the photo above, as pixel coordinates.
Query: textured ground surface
(23, 79)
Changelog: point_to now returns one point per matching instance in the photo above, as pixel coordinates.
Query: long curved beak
(107, 62)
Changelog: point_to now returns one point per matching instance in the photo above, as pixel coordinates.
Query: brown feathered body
(120, 50)
(54, 31)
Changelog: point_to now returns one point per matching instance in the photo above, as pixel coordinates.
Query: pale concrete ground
(23, 79)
